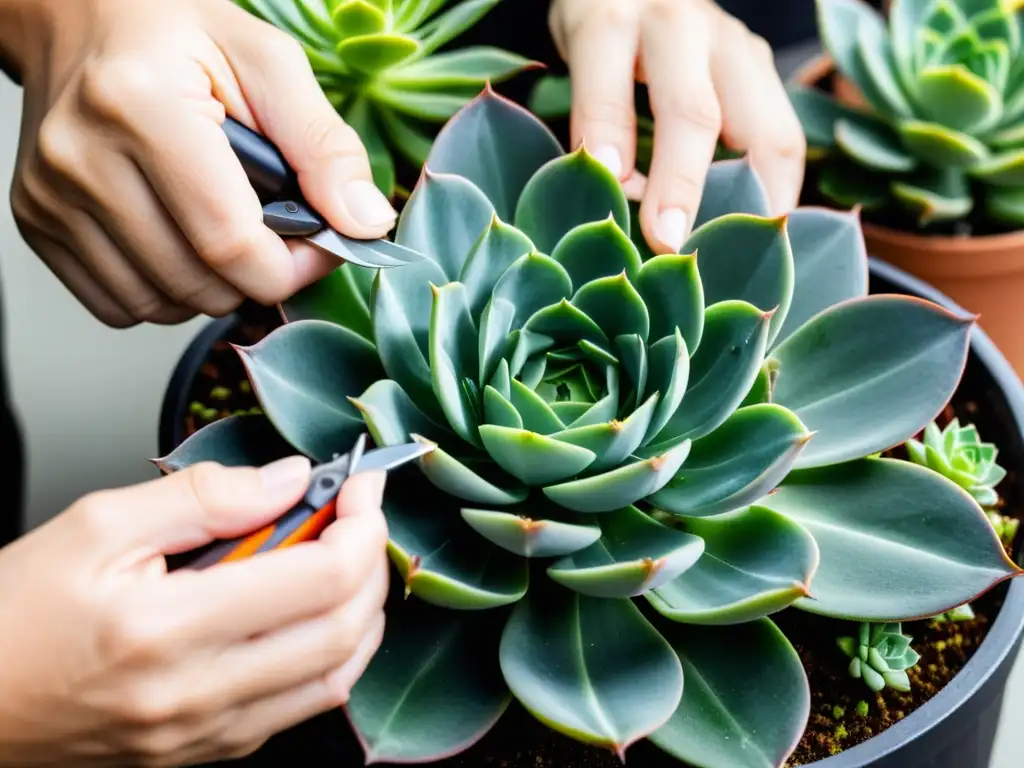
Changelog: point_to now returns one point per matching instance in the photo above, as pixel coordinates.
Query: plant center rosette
(637, 461)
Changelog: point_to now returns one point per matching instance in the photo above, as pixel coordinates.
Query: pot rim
(1003, 636)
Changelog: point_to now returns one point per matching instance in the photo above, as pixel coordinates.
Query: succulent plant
(880, 656)
(1006, 527)
(377, 61)
(961, 613)
(637, 461)
(942, 135)
(958, 453)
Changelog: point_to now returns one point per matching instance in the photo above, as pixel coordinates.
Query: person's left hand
(708, 76)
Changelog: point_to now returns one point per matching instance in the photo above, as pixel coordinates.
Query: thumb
(194, 506)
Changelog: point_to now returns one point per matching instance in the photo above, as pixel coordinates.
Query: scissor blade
(392, 456)
(377, 254)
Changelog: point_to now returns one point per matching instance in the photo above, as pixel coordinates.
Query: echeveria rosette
(378, 62)
(942, 133)
(957, 452)
(684, 434)
(880, 655)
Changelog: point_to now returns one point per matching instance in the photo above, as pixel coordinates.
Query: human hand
(109, 660)
(707, 75)
(125, 184)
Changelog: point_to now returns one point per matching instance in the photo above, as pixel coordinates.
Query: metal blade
(392, 456)
(376, 254)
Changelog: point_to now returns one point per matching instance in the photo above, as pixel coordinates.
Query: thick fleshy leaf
(496, 250)
(235, 441)
(1006, 205)
(731, 186)
(428, 692)
(597, 249)
(818, 114)
(431, 106)
(614, 304)
(940, 195)
(897, 541)
(746, 258)
(634, 555)
(536, 413)
(565, 324)
(756, 562)
(449, 25)
(453, 358)
(342, 297)
(356, 17)
(613, 441)
(849, 185)
(494, 336)
(878, 78)
(735, 465)
(372, 53)
(761, 390)
(469, 66)
(830, 263)
(480, 486)
(609, 689)
(838, 24)
(392, 418)
(722, 370)
(873, 146)
(894, 388)
(958, 98)
(522, 533)
(620, 487)
(668, 376)
(551, 97)
(495, 144)
(940, 146)
(360, 114)
(439, 558)
(532, 282)
(534, 459)
(406, 136)
(303, 374)
(719, 722)
(670, 285)
(1003, 170)
(569, 191)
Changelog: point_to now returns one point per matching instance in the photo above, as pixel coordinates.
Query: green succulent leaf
(532, 458)
(454, 477)
(356, 17)
(612, 441)
(849, 185)
(873, 146)
(746, 258)
(719, 722)
(620, 487)
(408, 138)
(551, 97)
(429, 106)
(877, 69)
(510, 146)
(839, 25)
(615, 305)
(597, 249)
(830, 263)
(1005, 204)
(523, 533)
(453, 358)
(634, 555)
(392, 418)
(235, 441)
(818, 114)
(428, 691)
(469, 66)
(721, 371)
(497, 249)
(530, 284)
(302, 374)
(735, 465)
(935, 196)
(1003, 170)
(604, 688)
(449, 25)
(761, 390)
(342, 297)
(568, 191)
(670, 285)
(731, 186)
(897, 541)
(958, 98)
(668, 376)
(756, 562)
(890, 394)
(940, 146)
(360, 115)
(372, 53)
(440, 559)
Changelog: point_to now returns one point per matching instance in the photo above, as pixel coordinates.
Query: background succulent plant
(638, 460)
(378, 63)
(958, 453)
(942, 136)
(880, 655)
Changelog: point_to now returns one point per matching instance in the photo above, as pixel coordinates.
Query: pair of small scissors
(289, 215)
(313, 512)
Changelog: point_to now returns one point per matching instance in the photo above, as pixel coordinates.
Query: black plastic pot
(955, 729)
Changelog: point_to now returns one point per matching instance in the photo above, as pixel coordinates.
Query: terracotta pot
(985, 275)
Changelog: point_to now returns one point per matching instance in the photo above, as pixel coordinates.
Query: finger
(749, 87)
(311, 263)
(293, 112)
(343, 680)
(285, 658)
(360, 495)
(602, 58)
(676, 47)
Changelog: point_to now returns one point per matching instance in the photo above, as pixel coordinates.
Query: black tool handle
(268, 172)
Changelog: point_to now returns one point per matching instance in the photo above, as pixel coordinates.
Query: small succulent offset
(942, 136)
(377, 62)
(958, 453)
(880, 655)
(689, 433)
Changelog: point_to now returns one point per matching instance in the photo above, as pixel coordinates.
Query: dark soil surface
(844, 711)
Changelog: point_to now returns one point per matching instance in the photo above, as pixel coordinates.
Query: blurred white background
(88, 397)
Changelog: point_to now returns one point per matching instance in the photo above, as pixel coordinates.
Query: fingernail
(609, 157)
(285, 473)
(670, 228)
(367, 204)
(370, 490)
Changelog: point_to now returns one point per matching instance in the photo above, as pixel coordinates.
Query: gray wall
(89, 396)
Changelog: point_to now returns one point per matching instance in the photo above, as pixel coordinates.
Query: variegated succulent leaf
(380, 64)
(957, 452)
(943, 88)
(880, 655)
(688, 428)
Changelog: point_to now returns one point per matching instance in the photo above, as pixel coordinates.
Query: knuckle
(761, 48)
(702, 112)
(137, 636)
(667, 11)
(232, 244)
(110, 86)
(285, 49)
(155, 744)
(206, 483)
(329, 138)
(94, 518)
(56, 144)
(148, 308)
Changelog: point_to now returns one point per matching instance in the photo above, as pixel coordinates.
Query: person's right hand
(106, 659)
(125, 184)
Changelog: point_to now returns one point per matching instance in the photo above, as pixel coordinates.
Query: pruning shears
(289, 215)
(314, 511)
